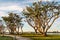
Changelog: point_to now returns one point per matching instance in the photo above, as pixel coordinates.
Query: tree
(21, 28)
(1, 26)
(12, 21)
(18, 22)
(41, 15)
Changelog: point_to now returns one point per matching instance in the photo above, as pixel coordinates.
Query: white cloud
(44, 0)
(3, 14)
(30, 1)
(3, 9)
(11, 8)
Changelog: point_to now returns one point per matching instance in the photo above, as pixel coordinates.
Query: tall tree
(21, 28)
(41, 15)
(12, 21)
(18, 22)
(1, 27)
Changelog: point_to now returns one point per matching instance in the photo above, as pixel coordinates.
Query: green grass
(5, 38)
(40, 37)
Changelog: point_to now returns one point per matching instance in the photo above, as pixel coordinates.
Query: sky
(18, 6)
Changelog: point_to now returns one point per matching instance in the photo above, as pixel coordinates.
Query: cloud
(11, 8)
(15, 3)
(3, 14)
(45, 0)
(31, 1)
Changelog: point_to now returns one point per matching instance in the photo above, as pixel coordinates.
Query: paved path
(18, 37)
(22, 38)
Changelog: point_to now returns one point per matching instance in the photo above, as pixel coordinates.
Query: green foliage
(5, 38)
(12, 21)
(40, 9)
(40, 14)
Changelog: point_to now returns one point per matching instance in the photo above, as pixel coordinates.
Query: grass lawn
(5, 38)
(39, 37)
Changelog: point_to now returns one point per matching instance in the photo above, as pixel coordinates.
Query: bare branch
(52, 17)
(29, 23)
(52, 23)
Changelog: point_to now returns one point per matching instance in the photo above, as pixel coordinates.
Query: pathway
(19, 37)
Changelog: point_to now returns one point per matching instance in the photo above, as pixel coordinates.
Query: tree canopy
(41, 15)
(12, 21)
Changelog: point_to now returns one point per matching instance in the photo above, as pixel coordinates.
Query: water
(53, 33)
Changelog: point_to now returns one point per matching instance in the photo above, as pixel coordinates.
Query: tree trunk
(36, 31)
(21, 30)
(3, 34)
(9, 31)
(44, 34)
(12, 32)
(18, 30)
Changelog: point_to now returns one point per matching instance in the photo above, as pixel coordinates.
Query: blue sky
(17, 6)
